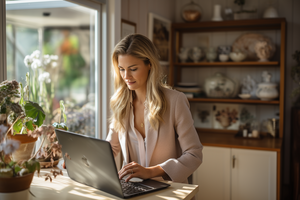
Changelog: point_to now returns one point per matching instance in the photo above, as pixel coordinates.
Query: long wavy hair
(141, 47)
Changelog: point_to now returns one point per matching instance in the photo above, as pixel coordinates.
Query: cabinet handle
(233, 161)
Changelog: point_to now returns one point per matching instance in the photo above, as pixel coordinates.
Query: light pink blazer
(175, 146)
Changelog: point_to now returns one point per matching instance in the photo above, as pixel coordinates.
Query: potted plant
(49, 151)
(14, 176)
(20, 115)
(242, 13)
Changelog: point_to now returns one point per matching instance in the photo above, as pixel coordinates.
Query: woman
(151, 123)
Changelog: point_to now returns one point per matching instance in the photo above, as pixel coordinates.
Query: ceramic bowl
(244, 96)
(223, 57)
(237, 56)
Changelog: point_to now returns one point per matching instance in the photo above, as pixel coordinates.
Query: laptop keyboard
(130, 188)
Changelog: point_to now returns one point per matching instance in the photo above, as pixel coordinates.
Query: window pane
(59, 45)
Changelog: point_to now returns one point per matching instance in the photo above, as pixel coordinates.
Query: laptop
(90, 161)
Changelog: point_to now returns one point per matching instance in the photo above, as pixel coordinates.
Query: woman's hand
(133, 169)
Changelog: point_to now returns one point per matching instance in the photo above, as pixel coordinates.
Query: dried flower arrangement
(226, 117)
(50, 153)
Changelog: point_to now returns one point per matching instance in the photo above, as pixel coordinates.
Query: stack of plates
(190, 89)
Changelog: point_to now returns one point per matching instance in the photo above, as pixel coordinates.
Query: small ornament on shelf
(191, 12)
(267, 91)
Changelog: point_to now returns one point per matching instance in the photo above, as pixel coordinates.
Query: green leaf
(22, 94)
(32, 166)
(18, 126)
(35, 111)
(63, 110)
(17, 169)
(12, 163)
(29, 125)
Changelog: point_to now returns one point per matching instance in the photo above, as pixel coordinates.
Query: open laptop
(92, 163)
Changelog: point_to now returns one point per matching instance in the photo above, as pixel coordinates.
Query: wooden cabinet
(234, 174)
(181, 32)
(213, 176)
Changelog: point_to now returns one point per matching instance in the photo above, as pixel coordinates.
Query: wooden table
(63, 188)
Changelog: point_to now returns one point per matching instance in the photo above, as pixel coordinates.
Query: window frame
(108, 19)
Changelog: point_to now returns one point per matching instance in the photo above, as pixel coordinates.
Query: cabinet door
(254, 175)
(213, 175)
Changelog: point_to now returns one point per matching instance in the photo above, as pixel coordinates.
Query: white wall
(137, 11)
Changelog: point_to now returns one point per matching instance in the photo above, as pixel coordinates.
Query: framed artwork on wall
(226, 116)
(127, 27)
(159, 31)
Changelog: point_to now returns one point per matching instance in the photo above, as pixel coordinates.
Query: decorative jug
(266, 90)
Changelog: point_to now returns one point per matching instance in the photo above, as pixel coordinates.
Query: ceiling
(67, 14)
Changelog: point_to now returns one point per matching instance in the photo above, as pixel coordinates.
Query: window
(68, 37)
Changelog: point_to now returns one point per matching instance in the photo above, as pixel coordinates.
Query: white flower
(54, 64)
(9, 146)
(28, 61)
(36, 54)
(45, 77)
(36, 64)
(54, 57)
(46, 59)
(3, 130)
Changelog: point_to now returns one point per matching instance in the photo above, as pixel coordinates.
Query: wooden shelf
(242, 101)
(230, 25)
(245, 63)
(228, 140)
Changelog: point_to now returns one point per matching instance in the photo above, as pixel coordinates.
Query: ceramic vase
(195, 54)
(211, 55)
(183, 54)
(220, 86)
(217, 13)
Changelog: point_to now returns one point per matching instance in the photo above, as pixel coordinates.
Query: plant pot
(15, 184)
(26, 147)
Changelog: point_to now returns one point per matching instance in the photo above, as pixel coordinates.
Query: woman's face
(133, 71)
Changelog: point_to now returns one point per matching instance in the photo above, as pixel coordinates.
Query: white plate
(191, 90)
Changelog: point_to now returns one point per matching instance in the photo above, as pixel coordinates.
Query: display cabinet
(189, 35)
(236, 27)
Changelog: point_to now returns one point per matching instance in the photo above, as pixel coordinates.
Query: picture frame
(127, 27)
(159, 32)
(203, 115)
(226, 116)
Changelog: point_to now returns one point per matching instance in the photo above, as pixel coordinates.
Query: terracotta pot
(15, 184)
(26, 147)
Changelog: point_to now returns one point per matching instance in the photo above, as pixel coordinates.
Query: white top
(136, 142)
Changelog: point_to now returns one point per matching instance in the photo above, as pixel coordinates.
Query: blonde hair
(140, 47)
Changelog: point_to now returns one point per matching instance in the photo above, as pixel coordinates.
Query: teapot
(266, 90)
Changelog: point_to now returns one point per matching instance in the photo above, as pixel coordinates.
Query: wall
(137, 11)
